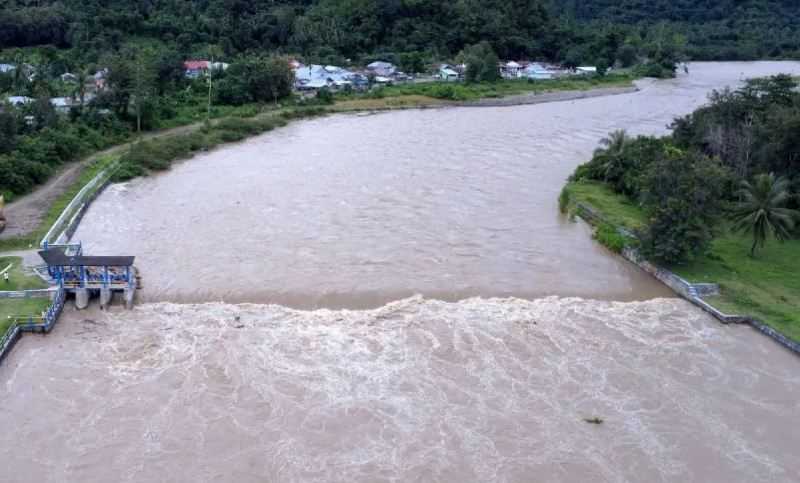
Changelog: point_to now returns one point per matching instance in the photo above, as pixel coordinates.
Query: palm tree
(762, 210)
(611, 149)
(614, 143)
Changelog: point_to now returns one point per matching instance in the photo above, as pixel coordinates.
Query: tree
(762, 211)
(627, 55)
(609, 157)
(256, 79)
(482, 63)
(412, 62)
(682, 195)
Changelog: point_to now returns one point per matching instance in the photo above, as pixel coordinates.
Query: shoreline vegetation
(716, 201)
(766, 287)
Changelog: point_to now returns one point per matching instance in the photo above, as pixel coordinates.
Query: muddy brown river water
(524, 327)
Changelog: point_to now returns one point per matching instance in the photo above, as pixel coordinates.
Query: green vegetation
(32, 239)
(767, 287)
(608, 236)
(762, 211)
(616, 208)
(11, 309)
(158, 154)
(18, 279)
(481, 61)
(691, 202)
(572, 30)
(687, 183)
(501, 88)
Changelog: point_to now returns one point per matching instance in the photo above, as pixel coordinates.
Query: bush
(608, 236)
(564, 199)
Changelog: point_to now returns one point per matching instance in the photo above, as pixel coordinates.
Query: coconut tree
(614, 143)
(609, 153)
(763, 211)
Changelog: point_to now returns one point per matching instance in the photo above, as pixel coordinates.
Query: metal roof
(57, 257)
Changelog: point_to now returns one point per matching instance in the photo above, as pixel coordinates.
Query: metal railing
(26, 294)
(60, 232)
(43, 323)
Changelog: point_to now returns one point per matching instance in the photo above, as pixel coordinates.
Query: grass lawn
(19, 281)
(20, 307)
(617, 208)
(766, 287)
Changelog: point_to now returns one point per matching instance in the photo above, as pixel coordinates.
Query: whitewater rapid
(418, 390)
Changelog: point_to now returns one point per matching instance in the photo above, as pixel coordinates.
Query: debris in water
(594, 420)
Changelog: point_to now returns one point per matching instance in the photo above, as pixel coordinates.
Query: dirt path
(25, 214)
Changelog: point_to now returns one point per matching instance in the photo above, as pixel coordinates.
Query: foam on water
(479, 390)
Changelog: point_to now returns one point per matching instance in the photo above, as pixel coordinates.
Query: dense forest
(549, 29)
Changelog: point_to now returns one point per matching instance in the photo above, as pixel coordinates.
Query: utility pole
(139, 96)
(208, 107)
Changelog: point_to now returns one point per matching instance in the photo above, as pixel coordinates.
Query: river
(523, 327)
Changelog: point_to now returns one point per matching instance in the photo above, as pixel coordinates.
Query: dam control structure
(85, 275)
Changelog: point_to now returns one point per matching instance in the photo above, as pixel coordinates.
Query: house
(510, 70)
(97, 82)
(62, 105)
(19, 100)
(538, 71)
(218, 66)
(382, 69)
(447, 73)
(195, 68)
(7, 68)
(318, 76)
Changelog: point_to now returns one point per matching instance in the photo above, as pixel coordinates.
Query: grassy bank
(154, 155)
(471, 92)
(431, 94)
(766, 287)
(10, 309)
(19, 280)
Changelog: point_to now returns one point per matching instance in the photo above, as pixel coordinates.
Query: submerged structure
(87, 275)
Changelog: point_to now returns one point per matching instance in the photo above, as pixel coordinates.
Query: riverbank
(31, 215)
(500, 94)
(765, 288)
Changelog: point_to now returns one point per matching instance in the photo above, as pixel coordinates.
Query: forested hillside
(552, 29)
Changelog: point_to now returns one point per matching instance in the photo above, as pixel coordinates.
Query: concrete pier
(129, 293)
(105, 297)
(81, 298)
